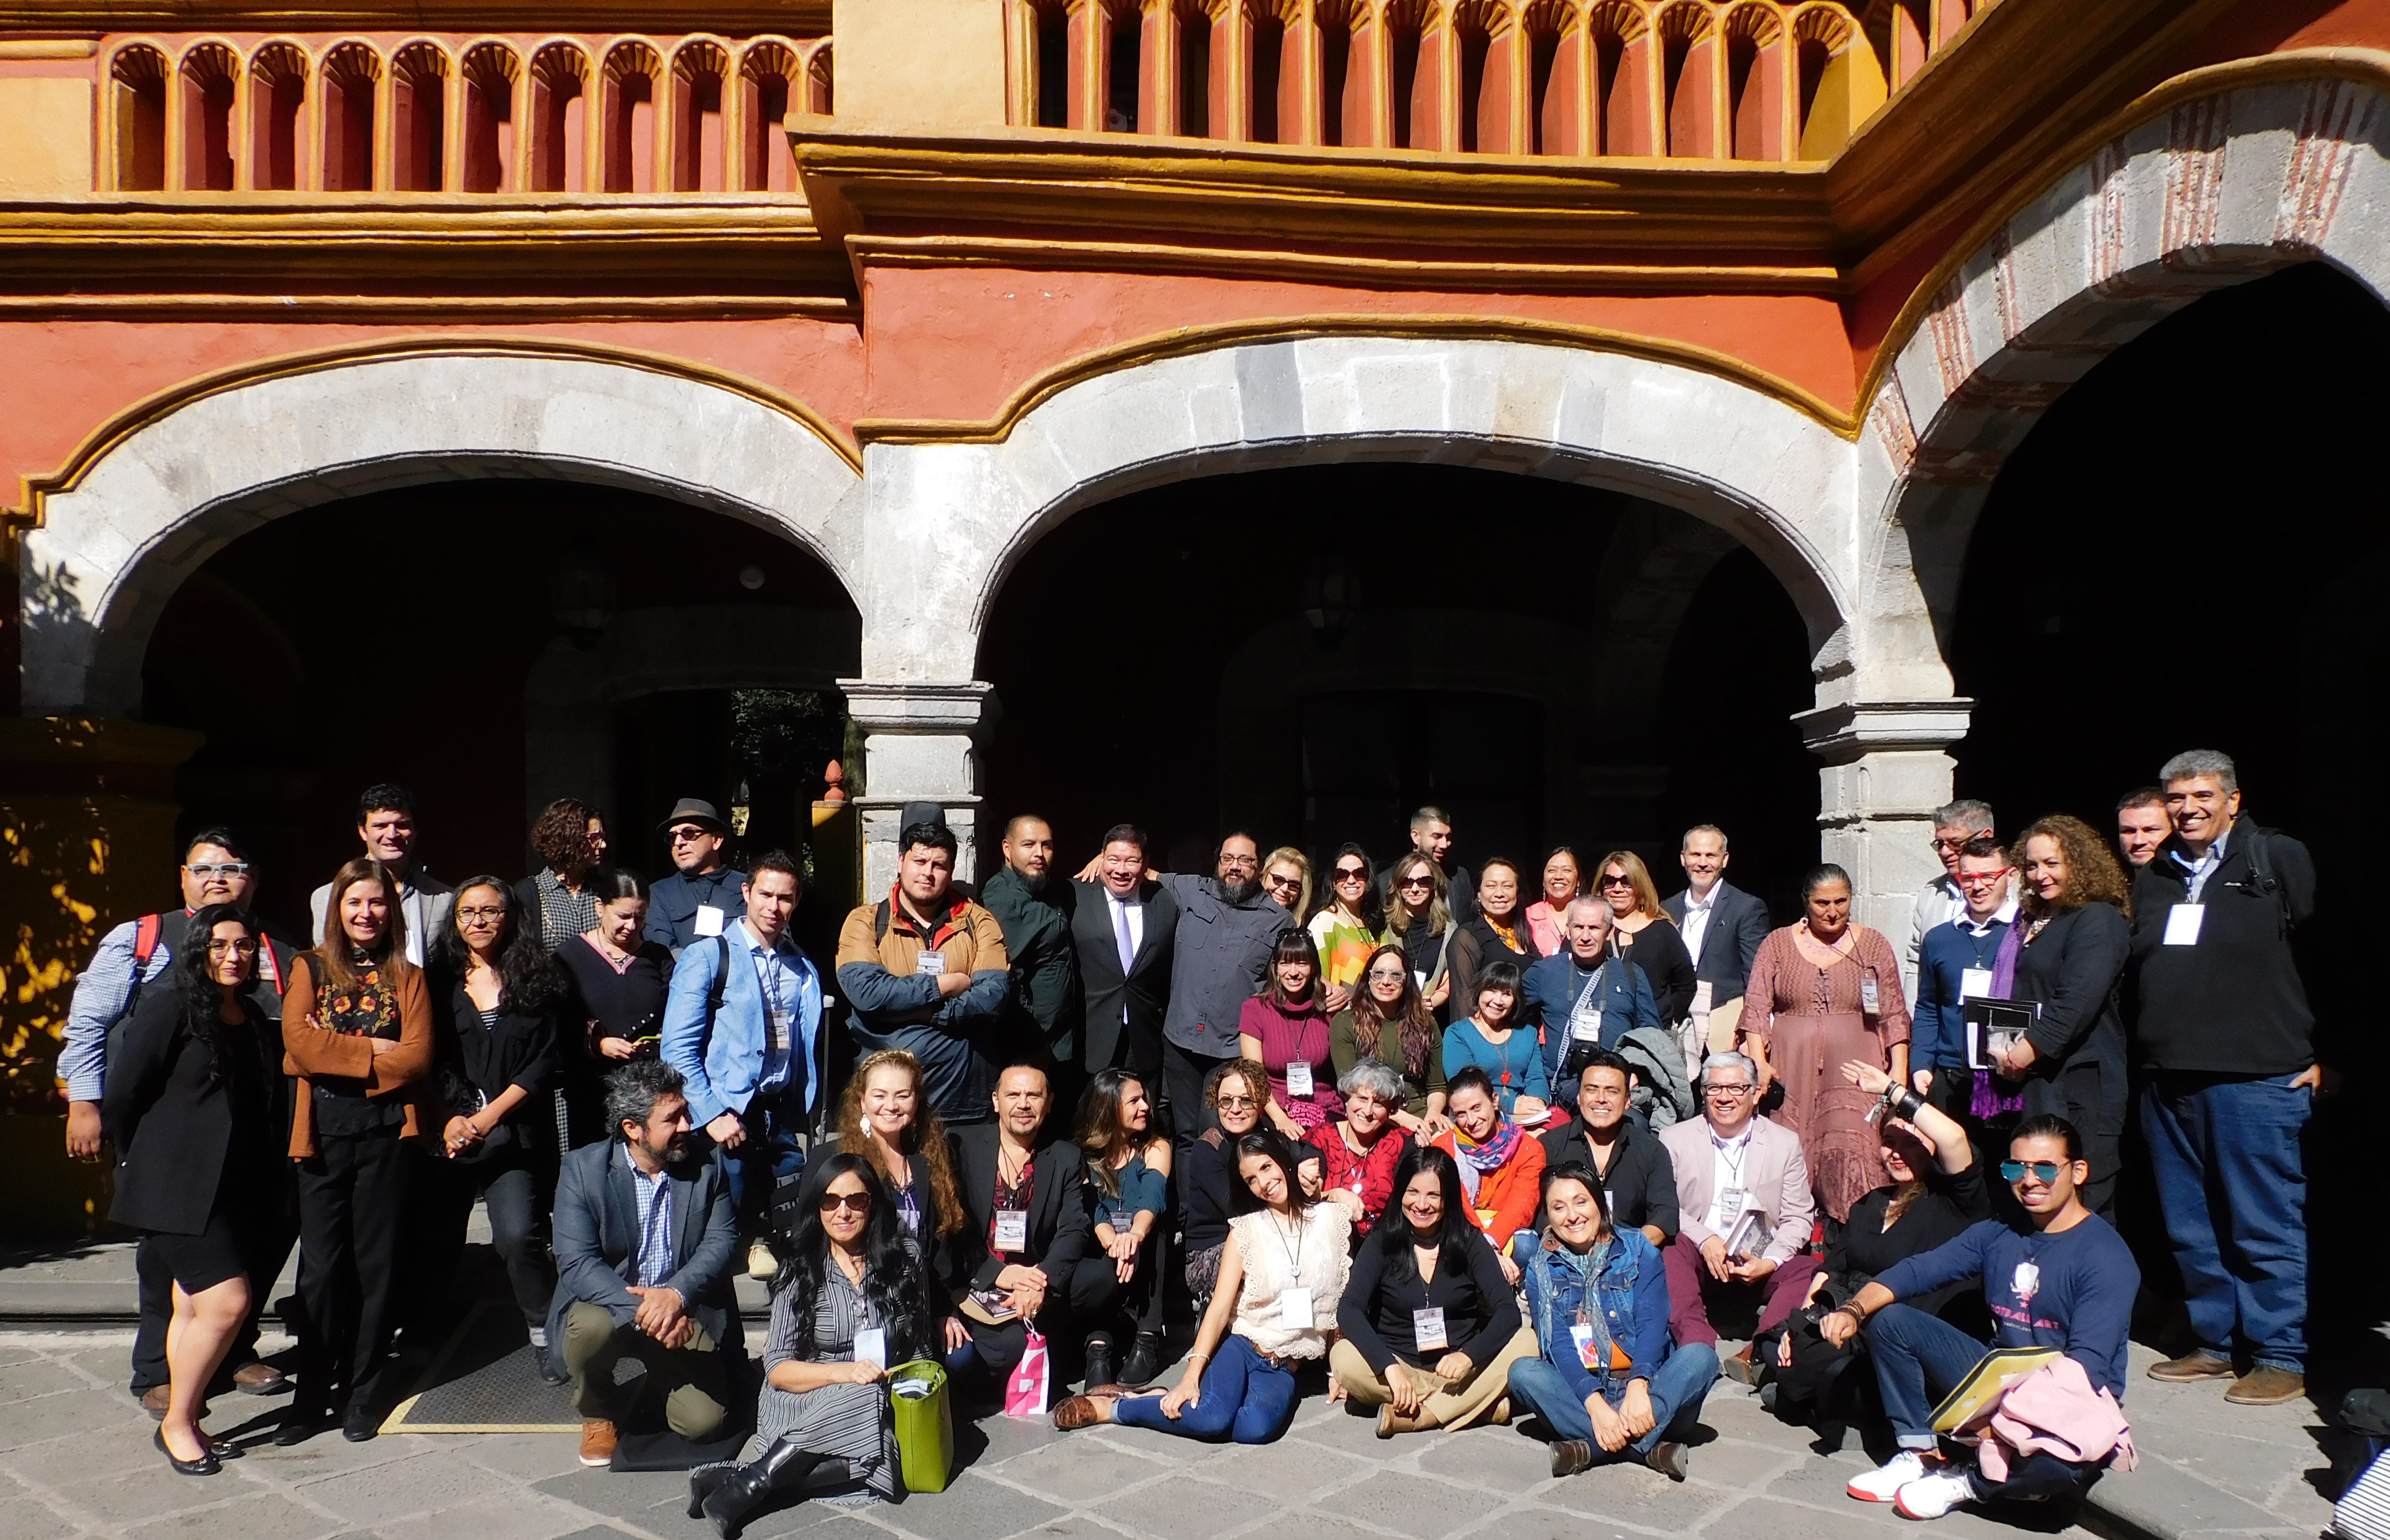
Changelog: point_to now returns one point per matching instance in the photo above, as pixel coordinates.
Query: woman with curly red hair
(558, 904)
(2074, 929)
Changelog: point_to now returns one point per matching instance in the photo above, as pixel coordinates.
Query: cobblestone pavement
(75, 1452)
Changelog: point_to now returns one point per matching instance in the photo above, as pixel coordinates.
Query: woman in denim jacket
(1607, 1383)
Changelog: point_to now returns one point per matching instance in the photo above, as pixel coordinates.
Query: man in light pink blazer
(1727, 1161)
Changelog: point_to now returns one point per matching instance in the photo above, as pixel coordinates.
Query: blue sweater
(1938, 1033)
(2073, 1290)
(1515, 1068)
(1633, 1296)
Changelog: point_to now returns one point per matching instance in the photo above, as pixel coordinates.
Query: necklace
(1293, 1245)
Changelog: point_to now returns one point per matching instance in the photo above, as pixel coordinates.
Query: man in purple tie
(1123, 929)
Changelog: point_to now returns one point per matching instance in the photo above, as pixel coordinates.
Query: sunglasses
(853, 1202)
(1407, 883)
(1616, 880)
(1275, 880)
(1234, 1103)
(1354, 872)
(2044, 1172)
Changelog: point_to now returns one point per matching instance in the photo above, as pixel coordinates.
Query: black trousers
(157, 1291)
(517, 1183)
(352, 1208)
(1075, 1304)
(1183, 1073)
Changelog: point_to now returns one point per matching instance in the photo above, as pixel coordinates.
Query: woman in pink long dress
(1822, 992)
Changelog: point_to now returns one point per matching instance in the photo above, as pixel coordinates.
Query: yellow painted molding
(38, 489)
(2365, 66)
(425, 309)
(1204, 338)
(47, 47)
(391, 16)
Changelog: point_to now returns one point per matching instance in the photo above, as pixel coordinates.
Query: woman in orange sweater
(356, 1032)
(1501, 1168)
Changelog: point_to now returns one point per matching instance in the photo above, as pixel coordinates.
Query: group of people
(1478, 1156)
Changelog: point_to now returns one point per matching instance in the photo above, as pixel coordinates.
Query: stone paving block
(65, 1415)
(1340, 1429)
(2246, 1466)
(265, 1516)
(531, 1456)
(1409, 1504)
(996, 1438)
(2161, 1499)
(101, 1451)
(1783, 1520)
(1082, 1471)
(1293, 1470)
(639, 1498)
(1739, 1463)
(511, 1517)
(1634, 1494)
(1184, 1508)
(423, 1483)
(971, 1508)
(1502, 1460)
(20, 1381)
(148, 1490)
(326, 1454)
(1547, 1523)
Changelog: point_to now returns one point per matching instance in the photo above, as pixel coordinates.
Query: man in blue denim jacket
(1609, 1383)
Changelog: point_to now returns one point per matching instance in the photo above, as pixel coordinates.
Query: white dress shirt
(1696, 923)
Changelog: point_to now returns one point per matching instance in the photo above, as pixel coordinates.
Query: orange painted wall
(955, 342)
(67, 379)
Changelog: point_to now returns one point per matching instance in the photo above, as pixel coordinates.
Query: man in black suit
(1123, 929)
(1721, 924)
(644, 1232)
(1024, 1259)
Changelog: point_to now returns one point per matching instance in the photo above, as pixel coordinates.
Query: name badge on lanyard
(1427, 1325)
(778, 1016)
(2182, 924)
(1295, 1311)
(1975, 984)
(1012, 1229)
(871, 1346)
(930, 962)
(709, 920)
(1298, 1079)
(1582, 1335)
(1871, 997)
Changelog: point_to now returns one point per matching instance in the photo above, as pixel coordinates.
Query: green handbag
(925, 1424)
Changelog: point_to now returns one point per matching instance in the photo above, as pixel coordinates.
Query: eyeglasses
(1730, 1092)
(1960, 843)
(853, 1202)
(496, 912)
(1385, 976)
(204, 870)
(242, 948)
(1980, 880)
(1232, 1104)
(1277, 880)
(2044, 1172)
(1351, 873)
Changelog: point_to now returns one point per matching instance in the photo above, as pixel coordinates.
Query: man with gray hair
(1744, 1208)
(1585, 999)
(2226, 1046)
(1939, 901)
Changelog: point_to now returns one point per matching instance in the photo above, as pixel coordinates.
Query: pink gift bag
(1025, 1392)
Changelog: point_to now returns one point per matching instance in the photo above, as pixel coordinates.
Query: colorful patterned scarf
(1476, 1160)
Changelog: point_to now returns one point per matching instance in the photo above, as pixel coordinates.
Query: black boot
(1144, 1360)
(702, 1482)
(783, 1468)
(1099, 1360)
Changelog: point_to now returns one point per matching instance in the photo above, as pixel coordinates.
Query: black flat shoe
(206, 1464)
(299, 1425)
(359, 1425)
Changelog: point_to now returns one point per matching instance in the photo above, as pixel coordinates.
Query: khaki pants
(689, 1379)
(1454, 1403)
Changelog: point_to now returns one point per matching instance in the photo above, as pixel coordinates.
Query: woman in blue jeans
(1607, 1383)
(1282, 1275)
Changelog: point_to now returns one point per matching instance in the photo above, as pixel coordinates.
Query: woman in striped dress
(854, 1298)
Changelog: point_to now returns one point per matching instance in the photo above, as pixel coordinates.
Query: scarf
(1475, 1160)
(1990, 1098)
(1586, 1269)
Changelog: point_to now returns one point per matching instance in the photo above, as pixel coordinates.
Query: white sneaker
(539, 1337)
(1935, 1494)
(761, 1262)
(1882, 1484)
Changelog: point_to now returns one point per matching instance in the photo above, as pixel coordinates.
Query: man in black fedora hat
(702, 894)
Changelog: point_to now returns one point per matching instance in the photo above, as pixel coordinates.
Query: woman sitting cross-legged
(852, 1297)
(1430, 1327)
(1609, 1384)
(1281, 1278)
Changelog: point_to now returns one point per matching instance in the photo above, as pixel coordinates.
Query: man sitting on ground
(2064, 1280)
(644, 1236)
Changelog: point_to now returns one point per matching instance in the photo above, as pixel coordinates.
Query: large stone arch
(2213, 190)
(160, 495)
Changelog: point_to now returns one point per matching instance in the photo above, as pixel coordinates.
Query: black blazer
(1737, 924)
(1059, 1231)
(597, 1228)
(1144, 989)
(173, 1129)
(2076, 968)
(476, 1064)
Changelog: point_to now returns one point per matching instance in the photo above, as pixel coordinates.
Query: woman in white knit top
(1281, 1278)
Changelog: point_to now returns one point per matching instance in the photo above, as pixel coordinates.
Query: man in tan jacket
(925, 971)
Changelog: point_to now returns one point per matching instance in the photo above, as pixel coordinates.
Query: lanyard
(1293, 1247)
(767, 978)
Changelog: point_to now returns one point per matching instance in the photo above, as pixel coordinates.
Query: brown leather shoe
(153, 1401)
(2198, 1364)
(597, 1442)
(2264, 1386)
(1079, 1411)
(1571, 1455)
(1738, 1367)
(1500, 1415)
(1669, 1459)
(1391, 1421)
(260, 1379)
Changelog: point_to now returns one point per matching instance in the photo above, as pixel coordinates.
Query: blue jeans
(1677, 1391)
(2231, 1174)
(766, 1157)
(1242, 1397)
(1918, 1358)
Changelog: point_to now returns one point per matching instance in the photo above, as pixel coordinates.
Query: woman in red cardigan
(1501, 1168)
